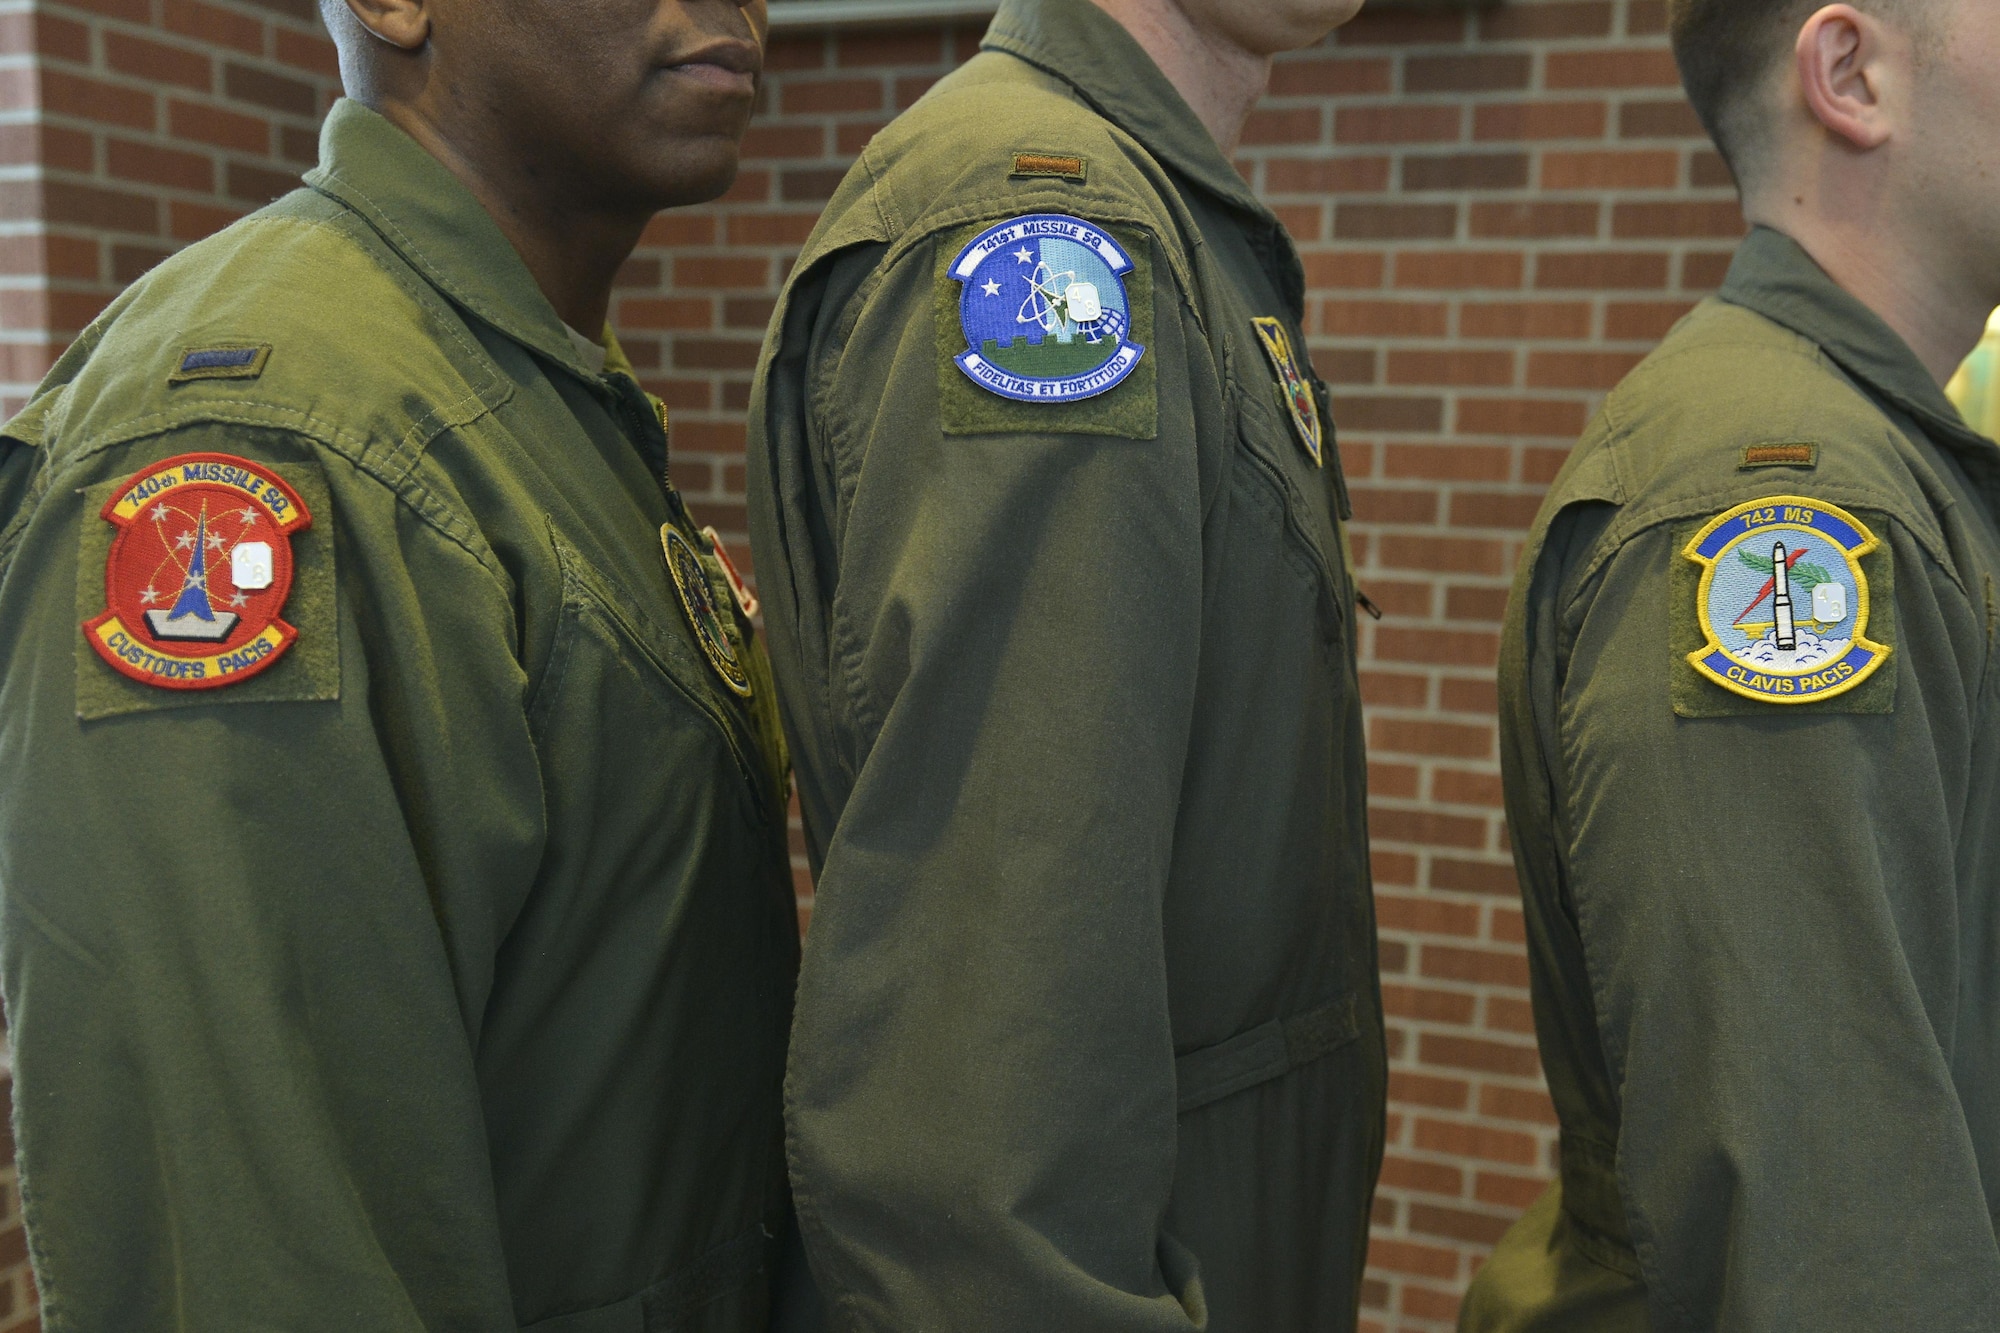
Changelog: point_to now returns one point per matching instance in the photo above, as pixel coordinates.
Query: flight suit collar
(1091, 51)
(1773, 275)
(439, 228)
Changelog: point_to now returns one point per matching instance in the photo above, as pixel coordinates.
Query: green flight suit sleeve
(247, 940)
(981, 1096)
(1766, 906)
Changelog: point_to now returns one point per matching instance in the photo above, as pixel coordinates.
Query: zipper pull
(1361, 598)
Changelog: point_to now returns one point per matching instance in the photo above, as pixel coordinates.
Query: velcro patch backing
(225, 362)
(1130, 410)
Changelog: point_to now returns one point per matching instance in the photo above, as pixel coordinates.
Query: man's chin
(695, 172)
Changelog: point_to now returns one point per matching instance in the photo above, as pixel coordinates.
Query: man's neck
(572, 253)
(1219, 80)
(1868, 248)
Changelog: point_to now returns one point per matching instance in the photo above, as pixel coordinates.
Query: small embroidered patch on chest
(704, 616)
(1297, 393)
(1783, 602)
(221, 363)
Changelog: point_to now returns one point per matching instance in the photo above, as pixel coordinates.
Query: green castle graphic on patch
(1050, 358)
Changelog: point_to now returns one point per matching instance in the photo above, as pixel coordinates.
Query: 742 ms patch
(1783, 602)
(198, 573)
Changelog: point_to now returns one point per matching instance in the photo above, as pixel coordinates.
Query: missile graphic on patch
(1788, 638)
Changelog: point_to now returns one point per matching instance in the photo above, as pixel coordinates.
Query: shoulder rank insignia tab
(1783, 602)
(704, 617)
(1782, 453)
(1061, 166)
(1299, 400)
(198, 573)
(1044, 310)
(221, 363)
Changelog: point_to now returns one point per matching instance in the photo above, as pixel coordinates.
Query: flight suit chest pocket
(1276, 476)
(614, 668)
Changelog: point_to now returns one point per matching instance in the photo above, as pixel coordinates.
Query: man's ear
(1842, 57)
(404, 24)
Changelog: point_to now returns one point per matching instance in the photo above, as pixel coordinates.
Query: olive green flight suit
(1089, 1033)
(1764, 938)
(436, 978)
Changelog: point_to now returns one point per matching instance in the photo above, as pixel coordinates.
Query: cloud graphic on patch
(1812, 651)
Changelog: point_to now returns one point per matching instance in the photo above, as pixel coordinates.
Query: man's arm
(1768, 911)
(247, 940)
(981, 1094)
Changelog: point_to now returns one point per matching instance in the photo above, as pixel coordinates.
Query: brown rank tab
(1050, 164)
(1788, 453)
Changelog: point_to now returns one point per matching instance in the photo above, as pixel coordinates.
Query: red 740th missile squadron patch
(198, 573)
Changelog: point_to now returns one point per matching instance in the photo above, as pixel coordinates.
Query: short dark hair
(1727, 49)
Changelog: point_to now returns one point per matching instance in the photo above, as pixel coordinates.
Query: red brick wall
(129, 128)
(1499, 212)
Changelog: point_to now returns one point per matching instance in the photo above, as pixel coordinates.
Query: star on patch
(990, 287)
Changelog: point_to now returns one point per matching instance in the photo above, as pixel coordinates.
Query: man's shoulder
(992, 103)
(296, 319)
(1730, 405)
(994, 139)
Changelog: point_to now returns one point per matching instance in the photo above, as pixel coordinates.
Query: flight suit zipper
(766, 736)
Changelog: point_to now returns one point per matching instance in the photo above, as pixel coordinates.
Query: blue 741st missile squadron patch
(1044, 310)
